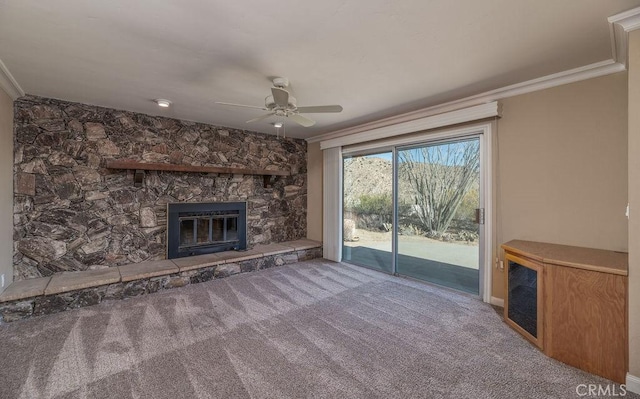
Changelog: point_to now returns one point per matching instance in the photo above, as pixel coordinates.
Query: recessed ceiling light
(163, 103)
(278, 124)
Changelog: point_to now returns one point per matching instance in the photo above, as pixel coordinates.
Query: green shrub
(374, 204)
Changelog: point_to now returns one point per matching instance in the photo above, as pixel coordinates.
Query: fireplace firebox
(202, 228)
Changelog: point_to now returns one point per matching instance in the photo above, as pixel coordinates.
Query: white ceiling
(376, 58)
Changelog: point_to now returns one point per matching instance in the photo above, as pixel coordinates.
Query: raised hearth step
(71, 281)
(22, 289)
(68, 290)
(197, 262)
(300, 245)
(148, 269)
(275, 249)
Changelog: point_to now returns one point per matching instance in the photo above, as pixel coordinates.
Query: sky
(453, 146)
(385, 155)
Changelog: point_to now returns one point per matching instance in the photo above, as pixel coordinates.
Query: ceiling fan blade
(242, 105)
(261, 117)
(280, 96)
(320, 109)
(302, 120)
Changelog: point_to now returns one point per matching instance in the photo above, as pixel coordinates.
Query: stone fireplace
(72, 212)
(202, 228)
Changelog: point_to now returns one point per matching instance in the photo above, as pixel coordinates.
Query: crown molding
(619, 27)
(8, 83)
(557, 79)
(629, 20)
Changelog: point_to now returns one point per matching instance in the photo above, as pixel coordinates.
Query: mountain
(366, 175)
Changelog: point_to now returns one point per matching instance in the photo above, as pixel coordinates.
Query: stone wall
(71, 213)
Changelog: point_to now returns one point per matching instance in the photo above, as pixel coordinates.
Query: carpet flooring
(314, 329)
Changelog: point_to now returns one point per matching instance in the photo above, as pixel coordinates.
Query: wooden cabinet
(582, 305)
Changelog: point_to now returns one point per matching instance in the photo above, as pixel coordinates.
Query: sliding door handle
(480, 215)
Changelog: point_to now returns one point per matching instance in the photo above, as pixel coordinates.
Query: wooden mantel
(129, 164)
(137, 165)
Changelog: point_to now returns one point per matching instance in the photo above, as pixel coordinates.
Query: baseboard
(499, 302)
(633, 383)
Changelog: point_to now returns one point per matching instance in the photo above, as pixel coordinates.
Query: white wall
(6, 188)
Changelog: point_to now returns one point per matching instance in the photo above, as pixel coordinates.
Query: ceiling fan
(281, 103)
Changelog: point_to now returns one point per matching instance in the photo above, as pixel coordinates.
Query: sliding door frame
(484, 132)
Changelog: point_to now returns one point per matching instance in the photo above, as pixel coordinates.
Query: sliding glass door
(416, 211)
(368, 211)
(438, 195)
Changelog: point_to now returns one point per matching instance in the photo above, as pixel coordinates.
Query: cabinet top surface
(599, 260)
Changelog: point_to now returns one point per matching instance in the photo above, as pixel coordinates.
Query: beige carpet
(310, 330)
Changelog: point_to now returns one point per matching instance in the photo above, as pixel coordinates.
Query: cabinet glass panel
(523, 297)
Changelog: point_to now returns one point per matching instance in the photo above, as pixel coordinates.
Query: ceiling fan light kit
(280, 125)
(281, 103)
(163, 103)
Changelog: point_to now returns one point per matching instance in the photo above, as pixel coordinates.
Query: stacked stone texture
(71, 213)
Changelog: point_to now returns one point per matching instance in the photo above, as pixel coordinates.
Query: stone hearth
(71, 290)
(73, 214)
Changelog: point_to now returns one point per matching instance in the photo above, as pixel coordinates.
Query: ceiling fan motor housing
(281, 82)
(271, 104)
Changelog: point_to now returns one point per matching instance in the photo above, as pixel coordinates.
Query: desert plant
(440, 177)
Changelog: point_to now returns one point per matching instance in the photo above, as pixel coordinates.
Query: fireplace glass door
(200, 228)
(209, 229)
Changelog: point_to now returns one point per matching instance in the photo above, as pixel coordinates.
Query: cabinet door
(586, 320)
(523, 305)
